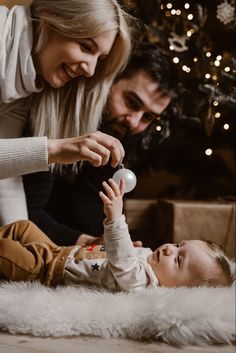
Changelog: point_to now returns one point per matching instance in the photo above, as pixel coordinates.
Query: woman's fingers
(97, 148)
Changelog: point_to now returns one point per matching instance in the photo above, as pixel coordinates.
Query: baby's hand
(112, 201)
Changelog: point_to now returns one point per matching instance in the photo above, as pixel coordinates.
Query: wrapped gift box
(182, 220)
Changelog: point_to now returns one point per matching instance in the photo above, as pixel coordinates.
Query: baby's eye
(177, 245)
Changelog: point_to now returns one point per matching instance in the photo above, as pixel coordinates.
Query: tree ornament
(127, 175)
(178, 42)
(225, 12)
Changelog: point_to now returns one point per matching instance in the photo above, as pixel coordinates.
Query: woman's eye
(85, 47)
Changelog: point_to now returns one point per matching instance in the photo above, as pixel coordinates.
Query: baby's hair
(224, 277)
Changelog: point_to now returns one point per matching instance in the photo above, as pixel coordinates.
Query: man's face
(133, 104)
(182, 264)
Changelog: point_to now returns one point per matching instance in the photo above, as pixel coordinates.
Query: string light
(186, 68)
(214, 77)
(178, 12)
(190, 16)
(186, 5)
(158, 128)
(217, 63)
(207, 76)
(173, 12)
(208, 54)
(219, 57)
(169, 5)
(217, 115)
(227, 69)
(208, 152)
(189, 33)
(215, 103)
(176, 60)
(226, 126)
(195, 59)
(171, 47)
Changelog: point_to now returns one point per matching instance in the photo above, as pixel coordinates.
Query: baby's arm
(126, 268)
(113, 201)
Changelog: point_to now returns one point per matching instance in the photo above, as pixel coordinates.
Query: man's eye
(150, 116)
(132, 104)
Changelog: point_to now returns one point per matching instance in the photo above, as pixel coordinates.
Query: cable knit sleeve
(130, 272)
(21, 156)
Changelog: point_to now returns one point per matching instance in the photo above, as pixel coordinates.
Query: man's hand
(113, 200)
(97, 148)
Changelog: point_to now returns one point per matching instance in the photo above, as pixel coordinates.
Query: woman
(57, 62)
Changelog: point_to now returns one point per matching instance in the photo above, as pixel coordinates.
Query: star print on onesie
(85, 263)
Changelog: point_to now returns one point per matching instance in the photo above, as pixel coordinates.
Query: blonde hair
(76, 108)
(223, 275)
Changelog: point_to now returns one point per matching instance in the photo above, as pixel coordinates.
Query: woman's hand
(113, 200)
(97, 148)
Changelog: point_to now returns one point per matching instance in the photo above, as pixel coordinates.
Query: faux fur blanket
(178, 316)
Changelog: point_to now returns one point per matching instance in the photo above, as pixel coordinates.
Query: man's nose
(133, 119)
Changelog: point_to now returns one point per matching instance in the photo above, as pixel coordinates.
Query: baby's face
(182, 264)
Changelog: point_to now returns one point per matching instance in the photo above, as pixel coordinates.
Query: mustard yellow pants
(26, 253)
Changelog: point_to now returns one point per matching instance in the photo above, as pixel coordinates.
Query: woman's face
(63, 59)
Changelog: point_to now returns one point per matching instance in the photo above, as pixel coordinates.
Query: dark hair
(156, 62)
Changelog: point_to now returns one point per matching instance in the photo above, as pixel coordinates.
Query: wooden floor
(26, 344)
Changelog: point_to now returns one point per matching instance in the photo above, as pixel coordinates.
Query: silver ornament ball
(128, 176)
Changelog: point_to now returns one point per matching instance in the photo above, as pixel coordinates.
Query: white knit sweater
(18, 155)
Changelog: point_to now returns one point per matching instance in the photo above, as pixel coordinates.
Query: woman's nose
(88, 68)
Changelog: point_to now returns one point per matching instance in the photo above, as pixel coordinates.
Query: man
(66, 206)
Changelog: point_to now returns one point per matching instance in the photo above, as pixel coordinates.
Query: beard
(113, 127)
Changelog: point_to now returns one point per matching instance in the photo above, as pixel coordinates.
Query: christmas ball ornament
(127, 175)
(225, 12)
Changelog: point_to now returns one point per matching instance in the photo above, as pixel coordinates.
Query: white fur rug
(177, 316)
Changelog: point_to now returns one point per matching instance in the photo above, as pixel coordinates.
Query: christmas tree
(196, 136)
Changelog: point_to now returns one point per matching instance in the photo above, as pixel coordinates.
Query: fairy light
(186, 68)
(227, 69)
(162, 6)
(173, 12)
(207, 76)
(190, 16)
(208, 152)
(169, 5)
(176, 60)
(215, 103)
(195, 59)
(171, 47)
(217, 115)
(178, 12)
(186, 6)
(208, 54)
(217, 62)
(158, 128)
(189, 33)
(226, 126)
(214, 77)
(219, 57)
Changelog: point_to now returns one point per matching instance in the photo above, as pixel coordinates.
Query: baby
(27, 254)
